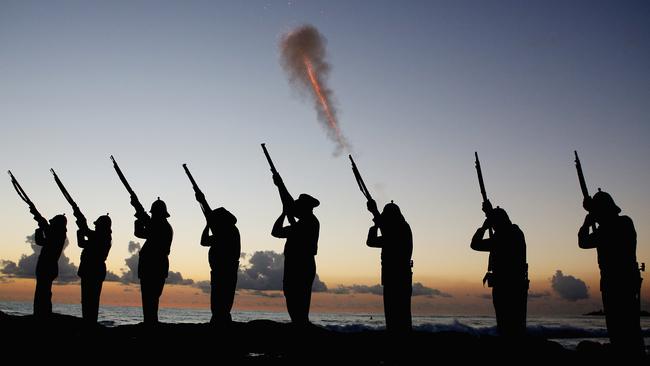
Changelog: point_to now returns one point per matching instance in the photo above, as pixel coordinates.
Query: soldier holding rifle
(507, 268)
(300, 248)
(614, 238)
(153, 261)
(51, 237)
(95, 244)
(396, 243)
(222, 236)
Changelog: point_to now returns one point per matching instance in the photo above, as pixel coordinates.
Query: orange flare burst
(331, 120)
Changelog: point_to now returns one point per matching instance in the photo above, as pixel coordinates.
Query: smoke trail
(303, 58)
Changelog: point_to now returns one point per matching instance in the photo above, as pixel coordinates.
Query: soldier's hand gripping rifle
(140, 213)
(285, 196)
(583, 186)
(372, 206)
(82, 224)
(42, 222)
(199, 195)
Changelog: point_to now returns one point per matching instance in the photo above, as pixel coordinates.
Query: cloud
(112, 277)
(264, 271)
(418, 290)
(26, 266)
(538, 295)
(421, 290)
(568, 287)
(267, 294)
(203, 286)
(176, 278)
(485, 296)
(130, 273)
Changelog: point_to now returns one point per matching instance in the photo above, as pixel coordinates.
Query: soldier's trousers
(621, 307)
(223, 283)
(91, 289)
(43, 297)
(510, 302)
(299, 274)
(397, 302)
(151, 289)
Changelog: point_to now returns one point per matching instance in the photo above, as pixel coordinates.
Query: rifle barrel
(479, 172)
(359, 179)
(268, 158)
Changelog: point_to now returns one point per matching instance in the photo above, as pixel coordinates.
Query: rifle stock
(135, 202)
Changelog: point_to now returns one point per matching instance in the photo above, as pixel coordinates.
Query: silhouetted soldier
(620, 279)
(153, 261)
(225, 249)
(507, 271)
(299, 251)
(396, 243)
(92, 270)
(51, 237)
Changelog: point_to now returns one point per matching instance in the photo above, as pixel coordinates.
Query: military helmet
(103, 221)
(602, 202)
(159, 208)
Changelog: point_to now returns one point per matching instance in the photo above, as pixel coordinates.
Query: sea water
(568, 331)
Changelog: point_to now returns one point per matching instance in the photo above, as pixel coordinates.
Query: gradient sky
(419, 87)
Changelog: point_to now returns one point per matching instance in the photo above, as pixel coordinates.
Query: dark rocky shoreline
(268, 342)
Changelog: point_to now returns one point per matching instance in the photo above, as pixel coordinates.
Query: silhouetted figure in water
(396, 243)
(51, 237)
(507, 271)
(620, 279)
(153, 261)
(225, 249)
(299, 250)
(92, 270)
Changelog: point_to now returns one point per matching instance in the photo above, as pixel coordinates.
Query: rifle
(360, 182)
(81, 219)
(285, 196)
(362, 186)
(139, 210)
(486, 202)
(200, 197)
(42, 222)
(583, 182)
(268, 158)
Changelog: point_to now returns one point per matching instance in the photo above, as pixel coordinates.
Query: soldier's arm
(140, 229)
(206, 239)
(374, 240)
(39, 237)
(83, 238)
(587, 240)
(480, 244)
(280, 231)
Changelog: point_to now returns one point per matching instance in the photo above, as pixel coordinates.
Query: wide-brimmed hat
(306, 200)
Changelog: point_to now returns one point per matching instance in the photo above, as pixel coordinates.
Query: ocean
(568, 331)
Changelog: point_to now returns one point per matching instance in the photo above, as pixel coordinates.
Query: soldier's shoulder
(517, 229)
(626, 220)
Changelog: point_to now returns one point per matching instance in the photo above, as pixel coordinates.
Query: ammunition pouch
(489, 278)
